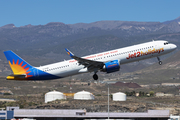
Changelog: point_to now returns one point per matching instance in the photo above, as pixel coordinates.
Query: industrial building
(54, 95)
(83, 95)
(119, 96)
(160, 94)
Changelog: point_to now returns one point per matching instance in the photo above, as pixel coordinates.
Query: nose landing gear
(160, 62)
(95, 76)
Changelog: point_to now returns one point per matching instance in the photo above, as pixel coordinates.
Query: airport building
(75, 114)
(8, 113)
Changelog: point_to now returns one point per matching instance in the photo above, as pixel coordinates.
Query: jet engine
(111, 66)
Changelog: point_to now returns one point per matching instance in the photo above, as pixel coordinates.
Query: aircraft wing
(90, 64)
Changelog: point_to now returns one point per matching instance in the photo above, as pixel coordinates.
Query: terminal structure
(75, 114)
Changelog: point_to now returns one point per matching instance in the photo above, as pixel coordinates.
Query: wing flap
(86, 62)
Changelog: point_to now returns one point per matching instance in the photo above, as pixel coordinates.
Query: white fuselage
(123, 55)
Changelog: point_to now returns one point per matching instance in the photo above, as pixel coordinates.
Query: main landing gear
(95, 76)
(160, 62)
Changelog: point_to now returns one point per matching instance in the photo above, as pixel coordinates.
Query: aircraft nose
(173, 46)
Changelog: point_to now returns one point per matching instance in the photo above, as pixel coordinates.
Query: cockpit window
(165, 43)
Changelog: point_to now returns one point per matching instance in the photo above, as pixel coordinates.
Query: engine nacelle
(111, 66)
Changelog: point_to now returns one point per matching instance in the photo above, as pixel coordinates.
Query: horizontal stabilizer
(23, 75)
(16, 77)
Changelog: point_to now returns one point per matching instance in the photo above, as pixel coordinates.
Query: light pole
(108, 101)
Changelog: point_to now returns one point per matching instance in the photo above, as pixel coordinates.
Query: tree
(151, 93)
(143, 94)
(134, 93)
(7, 94)
(140, 93)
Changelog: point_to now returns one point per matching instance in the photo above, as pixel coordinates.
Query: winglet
(69, 53)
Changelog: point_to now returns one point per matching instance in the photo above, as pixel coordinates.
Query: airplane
(108, 62)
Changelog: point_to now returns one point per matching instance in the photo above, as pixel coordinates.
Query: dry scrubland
(30, 95)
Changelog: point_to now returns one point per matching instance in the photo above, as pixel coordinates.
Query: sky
(41, 12)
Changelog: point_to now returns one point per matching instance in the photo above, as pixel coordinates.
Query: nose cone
(173, 46)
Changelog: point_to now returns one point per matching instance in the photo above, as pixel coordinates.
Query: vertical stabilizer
(17, 64)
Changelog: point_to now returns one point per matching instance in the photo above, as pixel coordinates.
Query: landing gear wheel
(160, 62)
(95, 77)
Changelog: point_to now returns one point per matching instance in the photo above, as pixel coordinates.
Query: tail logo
(19, 68)
(68, 53)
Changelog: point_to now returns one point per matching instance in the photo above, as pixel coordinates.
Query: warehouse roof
(83, 114)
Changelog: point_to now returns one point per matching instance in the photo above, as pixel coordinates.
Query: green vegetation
(139, 94)
(151, 93)
(7, 94)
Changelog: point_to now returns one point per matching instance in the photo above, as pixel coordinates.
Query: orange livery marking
(139, 54)
(19, 69)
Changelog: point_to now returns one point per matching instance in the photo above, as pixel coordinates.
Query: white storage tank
(119, 96)
(54, 95)
(84, 95)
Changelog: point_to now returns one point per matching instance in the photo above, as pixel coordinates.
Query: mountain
(44, 44)
(8, 26)
(177, 20)
(109, 25)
